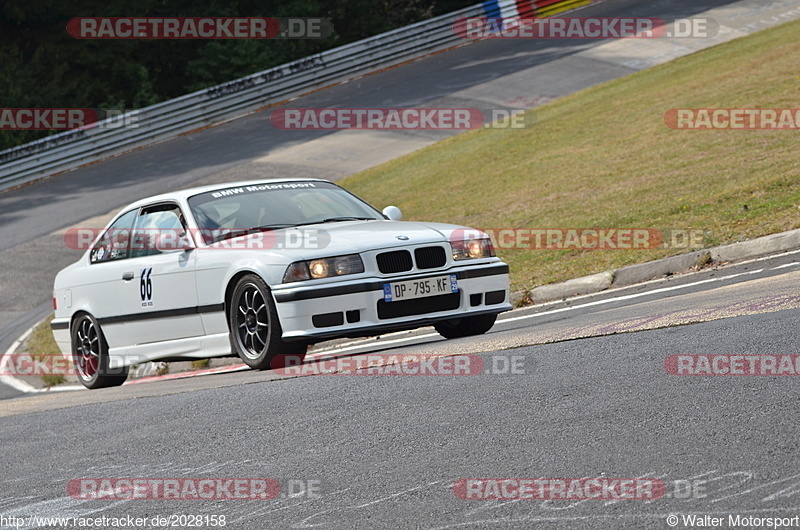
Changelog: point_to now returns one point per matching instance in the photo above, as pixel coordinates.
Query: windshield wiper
(230, 235)
(274, 226)
(337, 219)
(238, 233)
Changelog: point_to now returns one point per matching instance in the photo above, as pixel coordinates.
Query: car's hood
(350, 237)
(358, 236)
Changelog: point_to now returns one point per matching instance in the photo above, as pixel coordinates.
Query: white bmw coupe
(264, 268)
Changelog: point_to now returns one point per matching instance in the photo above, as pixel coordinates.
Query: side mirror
(393, 213)
(184, 243)
(166, 240)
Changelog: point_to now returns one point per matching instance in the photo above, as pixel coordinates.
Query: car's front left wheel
(255, 329)
(90, 355)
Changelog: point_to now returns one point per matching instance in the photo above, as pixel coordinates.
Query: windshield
(237, 211)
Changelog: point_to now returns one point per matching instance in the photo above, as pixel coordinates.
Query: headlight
(473, 249)
(323, 268)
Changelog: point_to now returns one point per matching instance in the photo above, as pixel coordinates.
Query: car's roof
(184, 194)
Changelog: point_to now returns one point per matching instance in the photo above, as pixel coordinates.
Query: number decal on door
(146, 287)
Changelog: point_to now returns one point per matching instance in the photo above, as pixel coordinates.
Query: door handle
(128, 276)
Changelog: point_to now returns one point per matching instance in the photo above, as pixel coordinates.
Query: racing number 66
(146, 285)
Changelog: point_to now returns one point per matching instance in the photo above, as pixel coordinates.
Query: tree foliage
(42, 66)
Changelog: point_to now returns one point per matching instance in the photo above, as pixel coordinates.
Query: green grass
(605, 158)
(200, 364)
(42, 347)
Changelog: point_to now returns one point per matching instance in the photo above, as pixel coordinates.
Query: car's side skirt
(191, 348)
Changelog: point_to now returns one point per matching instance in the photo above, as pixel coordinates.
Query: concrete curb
(754, 248)
(21, 385)
(651, 270)
(585, 285)
(642, 272)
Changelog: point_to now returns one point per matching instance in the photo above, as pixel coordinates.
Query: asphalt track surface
(593, 399)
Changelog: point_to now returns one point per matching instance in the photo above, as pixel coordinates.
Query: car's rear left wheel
(255, 329)
(90, 355)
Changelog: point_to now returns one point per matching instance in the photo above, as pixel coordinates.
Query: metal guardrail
(71, 149)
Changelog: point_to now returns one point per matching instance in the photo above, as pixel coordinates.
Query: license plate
(407, 290)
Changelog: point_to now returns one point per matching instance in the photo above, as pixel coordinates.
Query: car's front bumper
(355, 308)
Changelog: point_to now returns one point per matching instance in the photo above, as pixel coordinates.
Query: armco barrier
(71, 149)
(531, 8)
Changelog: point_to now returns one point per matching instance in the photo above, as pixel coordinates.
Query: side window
(113, 245)
(157, 227)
